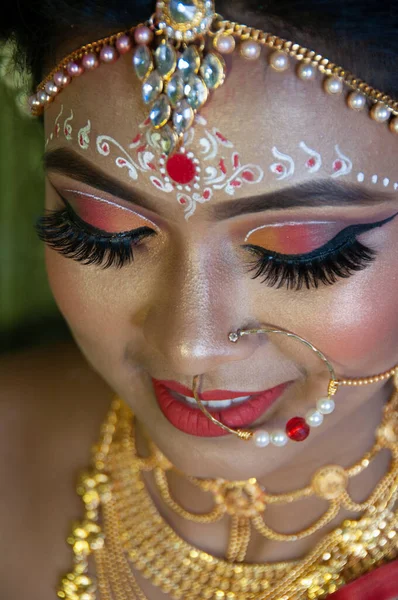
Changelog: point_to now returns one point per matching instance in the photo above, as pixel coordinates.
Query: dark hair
(360, 35)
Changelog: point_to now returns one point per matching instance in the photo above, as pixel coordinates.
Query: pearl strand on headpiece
(226, 36)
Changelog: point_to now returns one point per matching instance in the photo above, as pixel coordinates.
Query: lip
(192, 421)
(174, 386)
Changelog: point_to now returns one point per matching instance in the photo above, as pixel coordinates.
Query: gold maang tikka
(297, 428)
(178, 56)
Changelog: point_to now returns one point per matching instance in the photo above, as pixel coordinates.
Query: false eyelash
(339, 258)
(294, 273)
(65, 232)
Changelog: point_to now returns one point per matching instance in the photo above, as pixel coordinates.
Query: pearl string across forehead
(178, 55)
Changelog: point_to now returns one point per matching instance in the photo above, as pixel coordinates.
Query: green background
(28, 314)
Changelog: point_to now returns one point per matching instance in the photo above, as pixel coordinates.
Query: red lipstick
(174, 386)
(191, 420)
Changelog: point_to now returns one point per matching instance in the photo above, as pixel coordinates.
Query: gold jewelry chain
(245, 501)
(133, 533)
(243, 32)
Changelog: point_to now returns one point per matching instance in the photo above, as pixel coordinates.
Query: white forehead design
(208, 162)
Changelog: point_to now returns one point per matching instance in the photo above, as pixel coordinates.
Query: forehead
(283, 130)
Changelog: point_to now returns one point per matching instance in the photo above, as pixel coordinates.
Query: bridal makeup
(103, 214)
(208, 263)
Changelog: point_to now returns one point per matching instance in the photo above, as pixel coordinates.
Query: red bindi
(180, 168)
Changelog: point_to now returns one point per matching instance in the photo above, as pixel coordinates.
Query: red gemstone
(297, 429)
(180, 168)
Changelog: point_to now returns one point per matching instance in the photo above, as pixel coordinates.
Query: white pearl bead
(279, 438)
(108, 54)
(306, 72)
(356, 101)
(90, 61)
(225, 44)
(123, 44)
(333, 85)
(279, 61)
(325, 406)
(261, 438)
(61, 79)
(51, 88)
(250, 50)
(32, 101)
(143, 35)
(394, 125)
(74, 69)
(314, 418)
(42, 97)
(380, 113)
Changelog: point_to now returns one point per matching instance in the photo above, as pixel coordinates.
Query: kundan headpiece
(178, 56)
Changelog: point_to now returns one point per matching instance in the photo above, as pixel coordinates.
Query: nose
(195, 309)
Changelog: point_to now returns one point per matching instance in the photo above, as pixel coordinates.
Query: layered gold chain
(133, 534)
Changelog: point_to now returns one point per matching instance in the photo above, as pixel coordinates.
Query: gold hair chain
(133, 535)
(178, 55)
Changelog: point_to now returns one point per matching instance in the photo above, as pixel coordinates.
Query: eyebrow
(70, 163)
(320, 193)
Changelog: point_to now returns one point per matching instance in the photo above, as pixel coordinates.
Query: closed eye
(64, 231)
(340, 257)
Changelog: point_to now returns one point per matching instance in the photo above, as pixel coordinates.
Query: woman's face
(273, 163)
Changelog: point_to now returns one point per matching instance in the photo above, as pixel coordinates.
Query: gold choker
(123, 529)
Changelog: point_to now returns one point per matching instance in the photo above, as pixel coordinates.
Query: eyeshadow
(293, 238)
(105, 215)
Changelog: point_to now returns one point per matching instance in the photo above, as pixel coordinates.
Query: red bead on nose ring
(297, 428)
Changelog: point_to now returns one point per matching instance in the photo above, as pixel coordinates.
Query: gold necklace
(246, 501)
(134, 533)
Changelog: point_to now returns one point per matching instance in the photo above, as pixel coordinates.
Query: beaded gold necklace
(134, 534)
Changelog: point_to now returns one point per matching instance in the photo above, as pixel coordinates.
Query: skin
(168, 314)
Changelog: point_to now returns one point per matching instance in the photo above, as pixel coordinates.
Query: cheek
(101, 307)
(96, 320)
(67, 286)
(82, 300)
(361, 324)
